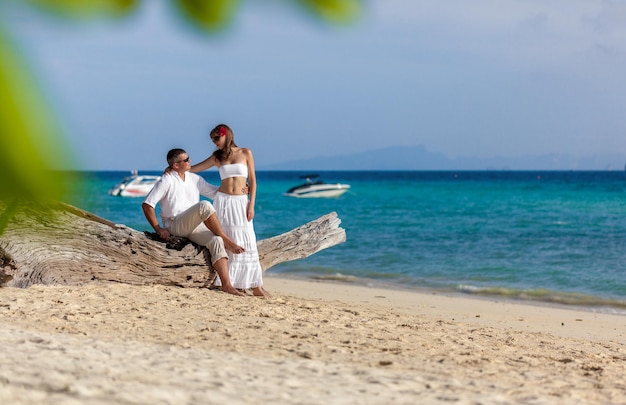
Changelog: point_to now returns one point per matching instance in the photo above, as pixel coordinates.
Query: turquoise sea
(557, 237)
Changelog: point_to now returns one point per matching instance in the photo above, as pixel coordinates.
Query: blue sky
(477, 78)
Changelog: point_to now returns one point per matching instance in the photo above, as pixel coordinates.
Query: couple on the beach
(225, 227)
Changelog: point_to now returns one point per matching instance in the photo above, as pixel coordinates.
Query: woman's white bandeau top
(233, 170)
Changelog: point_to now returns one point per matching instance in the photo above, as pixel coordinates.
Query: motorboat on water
(134, 185)
(315, 188)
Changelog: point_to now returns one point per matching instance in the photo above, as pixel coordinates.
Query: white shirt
(177, 195)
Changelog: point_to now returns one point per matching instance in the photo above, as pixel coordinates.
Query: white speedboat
(134, 186)
(314, 188)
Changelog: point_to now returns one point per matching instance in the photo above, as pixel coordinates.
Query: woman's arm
(205, 164)
(251, 183)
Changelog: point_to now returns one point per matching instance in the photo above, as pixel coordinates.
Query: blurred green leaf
(87, 8)
(338, 11)
(209, 15)
(30, 139)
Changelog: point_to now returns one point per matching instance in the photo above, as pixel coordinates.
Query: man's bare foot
(260, 292)
(233, 247)
(232, 290)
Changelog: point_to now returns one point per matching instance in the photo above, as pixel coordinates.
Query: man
(183, 214)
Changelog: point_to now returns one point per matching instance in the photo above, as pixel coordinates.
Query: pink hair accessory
(223, 131)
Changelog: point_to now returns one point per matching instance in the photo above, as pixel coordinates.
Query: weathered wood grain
(65, 245)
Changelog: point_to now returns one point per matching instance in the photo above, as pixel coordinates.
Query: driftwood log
(65, 245)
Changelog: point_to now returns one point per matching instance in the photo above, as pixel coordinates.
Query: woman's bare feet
(260, 292)
(232, 290)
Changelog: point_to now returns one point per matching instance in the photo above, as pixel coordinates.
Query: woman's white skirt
(244, 269)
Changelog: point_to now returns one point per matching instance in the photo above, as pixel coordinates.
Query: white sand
(313, 343)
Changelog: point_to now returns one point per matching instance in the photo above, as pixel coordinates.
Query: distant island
(419, 158)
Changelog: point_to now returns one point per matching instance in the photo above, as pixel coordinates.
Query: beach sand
(312, 343)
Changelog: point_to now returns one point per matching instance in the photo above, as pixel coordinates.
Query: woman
(235, 210)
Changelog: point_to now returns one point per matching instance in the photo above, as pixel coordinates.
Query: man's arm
(207, 189)
(150, 214)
